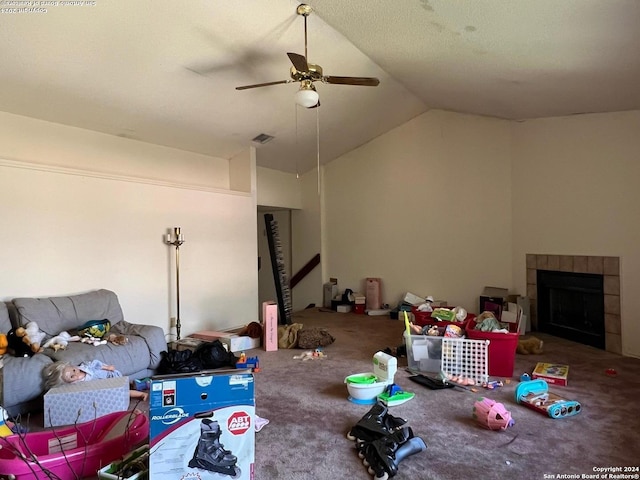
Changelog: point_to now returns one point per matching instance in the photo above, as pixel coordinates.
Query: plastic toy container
(502, 349)
(424, 353)
(424, 318)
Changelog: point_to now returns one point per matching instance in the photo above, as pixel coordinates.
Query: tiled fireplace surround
(607, 266)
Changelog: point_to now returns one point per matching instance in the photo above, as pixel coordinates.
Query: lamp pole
(177, 239)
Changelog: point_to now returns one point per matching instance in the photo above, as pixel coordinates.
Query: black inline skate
(376, 423)
(383, 455)
(210, 453)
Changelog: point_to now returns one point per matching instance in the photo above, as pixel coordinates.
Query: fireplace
(574, 266)
(571, 306)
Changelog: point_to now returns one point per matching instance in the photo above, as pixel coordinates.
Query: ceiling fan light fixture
(307, 96)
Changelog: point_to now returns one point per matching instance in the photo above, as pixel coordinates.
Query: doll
(59, 373)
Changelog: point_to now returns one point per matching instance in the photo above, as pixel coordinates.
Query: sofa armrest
(152, 335)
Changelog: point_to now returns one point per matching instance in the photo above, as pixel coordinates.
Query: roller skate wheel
(384, 476)
(351, 437)
(361, 456)
(371, 471)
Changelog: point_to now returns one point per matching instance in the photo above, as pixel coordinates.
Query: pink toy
(76, 451)
(492, 415)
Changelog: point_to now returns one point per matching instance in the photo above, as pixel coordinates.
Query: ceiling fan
(307, 73)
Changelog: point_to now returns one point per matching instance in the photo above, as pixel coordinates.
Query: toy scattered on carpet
(383, 441)
(530, 345)
(248, 362)
(394, 395)
(535, 394)
(492, 384)
(316, 354)
(491, 414)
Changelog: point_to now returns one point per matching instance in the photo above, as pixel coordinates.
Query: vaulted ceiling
(165, 72)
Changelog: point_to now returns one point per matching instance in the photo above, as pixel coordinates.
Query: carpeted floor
(309, 414)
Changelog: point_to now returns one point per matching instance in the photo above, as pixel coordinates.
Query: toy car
(535, 395)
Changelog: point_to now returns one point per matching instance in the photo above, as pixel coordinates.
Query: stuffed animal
(529, 345)
(60, 341)
(117, 339)
(3, 344)
(27, 340)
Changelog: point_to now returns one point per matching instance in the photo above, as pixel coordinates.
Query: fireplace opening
(571, 306)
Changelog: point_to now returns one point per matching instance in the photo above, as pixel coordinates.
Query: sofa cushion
(5, 322)
(56, 314)
(22, 379)
(128, 359)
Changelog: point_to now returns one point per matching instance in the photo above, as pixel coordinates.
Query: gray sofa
(22, 385)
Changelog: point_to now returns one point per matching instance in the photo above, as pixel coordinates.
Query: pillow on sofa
(57, 314)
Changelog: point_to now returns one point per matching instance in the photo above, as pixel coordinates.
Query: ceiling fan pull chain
(318, 146)
(306, 56)
(295, 108)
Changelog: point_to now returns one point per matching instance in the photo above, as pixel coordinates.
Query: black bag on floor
(178, 361)
(213, 355)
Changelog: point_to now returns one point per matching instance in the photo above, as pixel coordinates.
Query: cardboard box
(514, 317)
(237, 343)
(552, 373)
(193, 416)
(413, 299)
(187, 343)
(493, 300)
(81, 402)
(209, 335)
(270, 326)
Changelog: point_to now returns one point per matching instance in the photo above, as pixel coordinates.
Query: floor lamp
(176, 240)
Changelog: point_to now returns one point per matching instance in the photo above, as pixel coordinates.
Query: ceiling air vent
(262, 138)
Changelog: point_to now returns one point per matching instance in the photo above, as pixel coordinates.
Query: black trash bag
(178, 361)
(213, 355)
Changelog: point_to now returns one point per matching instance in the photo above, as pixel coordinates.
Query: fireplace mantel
(609, 267)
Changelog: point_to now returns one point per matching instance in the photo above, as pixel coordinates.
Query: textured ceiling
(165, 72)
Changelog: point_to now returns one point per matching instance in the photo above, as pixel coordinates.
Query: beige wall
(83, 210)
(300, 231)
(277, 189)
(426, 207)
(575, 192)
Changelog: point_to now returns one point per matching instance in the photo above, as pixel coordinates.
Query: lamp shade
(307, 97)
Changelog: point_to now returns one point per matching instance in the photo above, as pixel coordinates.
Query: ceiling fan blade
(360, 81)
(246, 87)
(299, 62)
